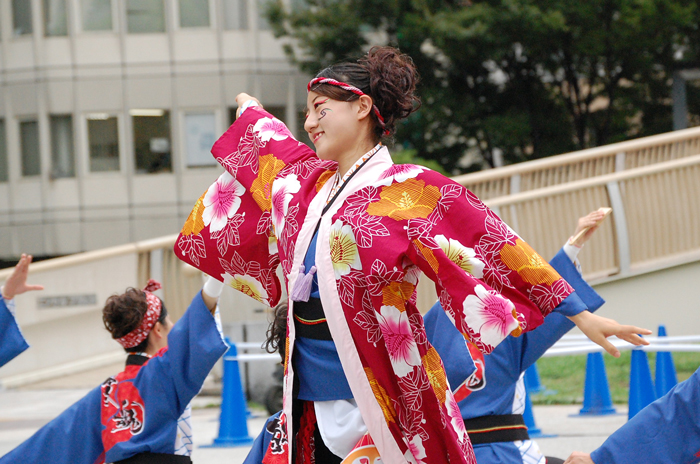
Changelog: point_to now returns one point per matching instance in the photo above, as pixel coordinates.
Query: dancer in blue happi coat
(141, 415)
(492, 398)
(12, 343)
(665, 432)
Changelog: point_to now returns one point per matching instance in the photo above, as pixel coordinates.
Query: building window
(151, 140)
(236, 14)
(194, 13)
(263, 23)
(62, 154)
(55, 20)
(29, 148)
(3, 153)
(21, 17)
(145, 16)
(200, 135)
(96, 15)
(103, 140)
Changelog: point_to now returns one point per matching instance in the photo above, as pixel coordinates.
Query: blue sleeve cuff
(588, 297)
(571, 306)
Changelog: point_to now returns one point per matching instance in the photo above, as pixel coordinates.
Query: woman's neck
(350, 157)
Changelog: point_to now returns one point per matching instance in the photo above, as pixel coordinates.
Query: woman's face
(333, 125)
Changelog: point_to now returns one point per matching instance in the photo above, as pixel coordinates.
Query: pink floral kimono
(388, 225)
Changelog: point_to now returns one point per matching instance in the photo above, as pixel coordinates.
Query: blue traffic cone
(233, 426)
(596, 391)
(641, 386)
(666, 377)
(532, 380)
(529, 418)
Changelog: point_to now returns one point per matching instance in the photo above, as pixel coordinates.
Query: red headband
(140, 333)
(349, 88)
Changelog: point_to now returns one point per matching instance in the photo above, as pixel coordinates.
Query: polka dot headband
(349, 88)
(140, 333)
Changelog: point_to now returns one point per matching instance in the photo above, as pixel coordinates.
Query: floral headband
(349, 88)
(140, 333)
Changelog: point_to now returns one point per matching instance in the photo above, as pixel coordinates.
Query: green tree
(520, 78)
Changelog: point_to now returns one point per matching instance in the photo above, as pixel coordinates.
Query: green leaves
(528, 78)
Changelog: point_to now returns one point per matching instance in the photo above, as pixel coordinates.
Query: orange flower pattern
(194, 223)
(382, 397)
(261, 188)
(396, 294)
(531, 267)
(322, 179)
(410, 199)
(436, 373)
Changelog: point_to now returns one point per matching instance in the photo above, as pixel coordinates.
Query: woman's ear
(364, 106)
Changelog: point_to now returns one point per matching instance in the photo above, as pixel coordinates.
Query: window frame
(218, 130)
(114, 12)
(212, 18)
(85, 143)
(21, 120)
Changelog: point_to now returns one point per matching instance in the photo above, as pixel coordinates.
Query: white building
(108, 109)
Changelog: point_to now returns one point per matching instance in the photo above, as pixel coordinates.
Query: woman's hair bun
(393, 79)
(123, 313)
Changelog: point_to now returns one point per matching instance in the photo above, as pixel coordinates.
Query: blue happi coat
(12, 343)
(497, 387)
(157, 395)
(665, 432)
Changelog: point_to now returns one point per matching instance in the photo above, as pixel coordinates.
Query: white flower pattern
(490, 314)
(398, 337)
(222, 200)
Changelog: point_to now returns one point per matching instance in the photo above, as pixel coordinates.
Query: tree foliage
(523, 78)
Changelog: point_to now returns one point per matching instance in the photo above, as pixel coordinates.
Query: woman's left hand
(598, 329)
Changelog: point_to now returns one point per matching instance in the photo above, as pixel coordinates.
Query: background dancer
(665, 432)
(141, 415)
(492, 398)
(12, 343)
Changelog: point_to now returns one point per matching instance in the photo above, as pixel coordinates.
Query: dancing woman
(353, 232)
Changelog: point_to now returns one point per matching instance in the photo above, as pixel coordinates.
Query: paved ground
(24, 411)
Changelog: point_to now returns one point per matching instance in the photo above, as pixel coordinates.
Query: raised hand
(16, 284)
(243, 97)
(589, 223)
(598, 329)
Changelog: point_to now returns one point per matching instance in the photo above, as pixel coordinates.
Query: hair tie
(349, 88)
(152, 286)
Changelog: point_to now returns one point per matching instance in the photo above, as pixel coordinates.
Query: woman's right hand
(243, 97)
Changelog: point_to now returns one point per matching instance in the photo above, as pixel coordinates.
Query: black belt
(310, 320)
(496, 429)
(156, 458)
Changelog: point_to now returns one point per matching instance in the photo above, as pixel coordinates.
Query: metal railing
(654, 224)
(582, 164)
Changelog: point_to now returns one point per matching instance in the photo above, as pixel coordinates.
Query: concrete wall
(669, 296)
